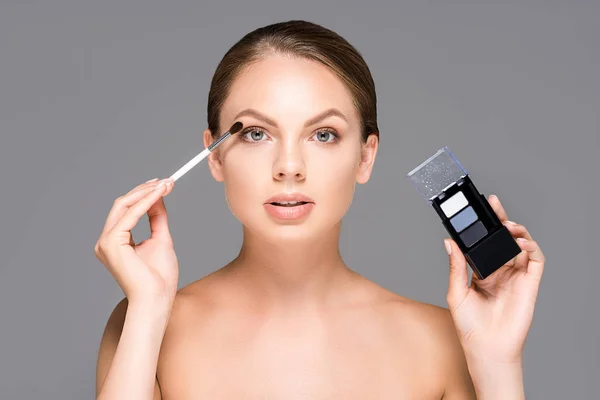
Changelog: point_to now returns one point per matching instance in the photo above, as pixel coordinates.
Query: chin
(288, 232)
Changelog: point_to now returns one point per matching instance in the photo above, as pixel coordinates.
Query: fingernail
(522, 240)
(165, 182)
(448, 247)
(160, 185)
(151, 180)
(511, 222)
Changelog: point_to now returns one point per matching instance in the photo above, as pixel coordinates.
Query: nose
(289, 164)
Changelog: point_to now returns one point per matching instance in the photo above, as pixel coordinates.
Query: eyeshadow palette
(465, 213)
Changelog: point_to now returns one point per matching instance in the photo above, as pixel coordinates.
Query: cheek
(337, 182)
(244, 176)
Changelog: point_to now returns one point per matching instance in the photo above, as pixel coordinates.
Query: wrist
(151, 308)
(150, 301)
(496, 380)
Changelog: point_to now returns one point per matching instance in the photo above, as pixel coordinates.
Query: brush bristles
(235, 128)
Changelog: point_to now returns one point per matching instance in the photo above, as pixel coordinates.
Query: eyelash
(249, 129)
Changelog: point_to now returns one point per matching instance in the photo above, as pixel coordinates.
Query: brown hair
(300, 39)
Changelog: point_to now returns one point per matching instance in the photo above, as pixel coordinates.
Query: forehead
(290, 89)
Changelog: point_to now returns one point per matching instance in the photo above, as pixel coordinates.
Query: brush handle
(219, 140)
(190, 164)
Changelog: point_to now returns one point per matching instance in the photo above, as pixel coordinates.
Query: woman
(287, 318)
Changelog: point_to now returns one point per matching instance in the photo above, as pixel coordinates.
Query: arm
(492, 316)
(469, 378)
(485, 382)
(459, 382)
(497, 381)
(129, 349)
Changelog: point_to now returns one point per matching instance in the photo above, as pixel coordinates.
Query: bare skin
(369, 344)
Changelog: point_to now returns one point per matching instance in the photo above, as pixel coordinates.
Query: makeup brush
(190, 164)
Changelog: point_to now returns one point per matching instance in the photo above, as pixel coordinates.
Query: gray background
(97, 97)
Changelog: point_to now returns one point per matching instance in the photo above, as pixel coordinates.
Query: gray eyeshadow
(473, 234)
(463, 219)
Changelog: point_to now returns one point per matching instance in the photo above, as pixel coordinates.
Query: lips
(289, 206)
(289, 199)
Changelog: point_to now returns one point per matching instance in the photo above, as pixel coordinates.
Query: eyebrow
(318, 118)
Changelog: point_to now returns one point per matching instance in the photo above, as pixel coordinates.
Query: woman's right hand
(147, 270)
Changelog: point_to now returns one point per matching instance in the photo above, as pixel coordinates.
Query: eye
(253, 134)
(326, 136)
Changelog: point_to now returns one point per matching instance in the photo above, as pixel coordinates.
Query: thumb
(459, 278)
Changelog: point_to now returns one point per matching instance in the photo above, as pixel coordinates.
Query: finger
(459, 278)
(135, 212)
(518, 262)
(137, 188)
(536, 258)
(150, 183)
(498, 208)
(122, 203)
(517, 230)
(159, 224)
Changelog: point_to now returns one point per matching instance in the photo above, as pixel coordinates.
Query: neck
(297, 275)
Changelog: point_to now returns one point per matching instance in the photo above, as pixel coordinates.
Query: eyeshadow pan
(454, 204)
(463, 219)
(473, 233)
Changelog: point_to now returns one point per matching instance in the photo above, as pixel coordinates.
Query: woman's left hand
(493, 316)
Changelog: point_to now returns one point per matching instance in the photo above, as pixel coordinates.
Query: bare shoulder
(417, 339)
(197, 298)
(433, 322)
(432, 331)
(197, 306)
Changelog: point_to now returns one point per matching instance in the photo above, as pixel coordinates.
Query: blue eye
(253, 135)
(326, 136)
(323, 136)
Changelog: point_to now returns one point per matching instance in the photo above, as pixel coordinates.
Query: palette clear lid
(436, 174)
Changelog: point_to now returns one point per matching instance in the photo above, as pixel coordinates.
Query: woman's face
(284, 149)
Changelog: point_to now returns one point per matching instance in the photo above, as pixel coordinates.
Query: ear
(214, 161)
(367, 158)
